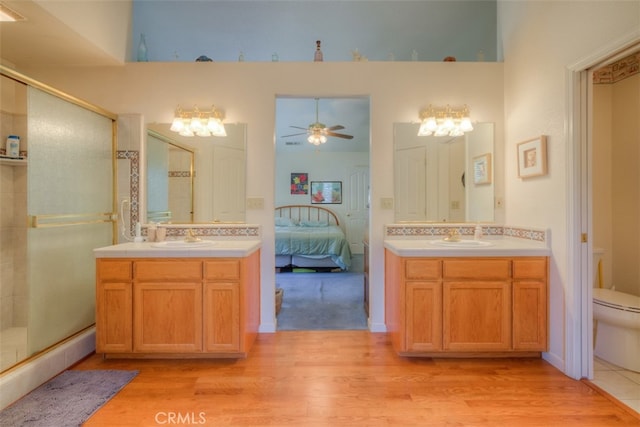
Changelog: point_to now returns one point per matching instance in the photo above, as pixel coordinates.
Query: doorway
(614, 99)
(322, 144)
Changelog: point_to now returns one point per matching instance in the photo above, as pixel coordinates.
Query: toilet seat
(616, 300)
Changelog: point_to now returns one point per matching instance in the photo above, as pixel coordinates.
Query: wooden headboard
(307, 213)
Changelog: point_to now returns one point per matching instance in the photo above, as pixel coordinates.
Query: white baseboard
(20, 381)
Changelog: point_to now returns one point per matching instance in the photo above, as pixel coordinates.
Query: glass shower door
(69, 207)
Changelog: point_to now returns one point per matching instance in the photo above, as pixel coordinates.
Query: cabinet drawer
(530, 268)
(422, 269)
(163, 270)
(224, 269)
(114, 270)
(474, 268)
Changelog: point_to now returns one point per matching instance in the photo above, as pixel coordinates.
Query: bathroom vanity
(471, 299)
(156, 301)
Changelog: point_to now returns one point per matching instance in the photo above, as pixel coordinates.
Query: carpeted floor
(69, 399)
(322, 301)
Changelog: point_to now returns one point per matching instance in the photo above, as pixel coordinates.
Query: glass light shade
(186, 131)
(466, 125)
(203, 131)
(448, 123)
(441, 131)
(196, 123)
(423, 130)
(177, 124)
(216, 127)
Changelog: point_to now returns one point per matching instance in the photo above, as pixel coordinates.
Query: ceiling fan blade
(294, 134)
(340, 135)
(298, 127)
(336, 127)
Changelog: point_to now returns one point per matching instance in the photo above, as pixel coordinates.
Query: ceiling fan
(318, 132)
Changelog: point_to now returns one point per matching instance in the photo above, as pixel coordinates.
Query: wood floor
(350, 378)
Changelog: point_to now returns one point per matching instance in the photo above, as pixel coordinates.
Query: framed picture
(326, 192)
(299, 183)
(532, 157)
(482, 169)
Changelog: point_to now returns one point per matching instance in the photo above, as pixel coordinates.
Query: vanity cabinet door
(530, 304)
(477, 304)
(424, 316)
(113, 317)
(167, 317)
(477, 316)
(221, 317)
(113, 306)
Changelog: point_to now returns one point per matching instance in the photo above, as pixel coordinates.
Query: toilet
(616, 318)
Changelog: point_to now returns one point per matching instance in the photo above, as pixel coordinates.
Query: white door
(357, 207)
(410, 188)
(228, 185)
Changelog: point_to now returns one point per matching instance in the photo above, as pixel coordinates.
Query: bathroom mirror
(214, 186)
(443, 179)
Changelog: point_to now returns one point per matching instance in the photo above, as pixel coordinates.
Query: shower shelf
(13, 162)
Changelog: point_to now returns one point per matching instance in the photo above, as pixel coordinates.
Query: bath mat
(68, 399)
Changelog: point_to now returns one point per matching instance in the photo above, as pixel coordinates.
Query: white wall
(247, 92)
(104, 23)
(540, 40)
(321, 166)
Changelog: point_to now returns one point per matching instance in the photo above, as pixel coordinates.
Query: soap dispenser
(477, 234)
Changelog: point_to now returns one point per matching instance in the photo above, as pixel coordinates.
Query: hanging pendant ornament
(318, 55)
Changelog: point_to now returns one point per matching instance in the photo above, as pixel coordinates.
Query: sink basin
(461, 243)
(182, 244)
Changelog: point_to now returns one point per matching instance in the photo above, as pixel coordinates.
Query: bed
(310, 237)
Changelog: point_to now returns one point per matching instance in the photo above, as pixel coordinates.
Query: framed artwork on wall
(299, 183)
(482, 169)
(532, 157)
(326, 192)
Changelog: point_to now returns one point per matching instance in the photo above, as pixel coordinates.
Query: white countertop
(218, 249)
(499, 246)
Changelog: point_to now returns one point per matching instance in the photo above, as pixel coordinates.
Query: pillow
(282, 221)
(314, 224)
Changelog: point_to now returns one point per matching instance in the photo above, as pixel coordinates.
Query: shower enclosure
(57, 206)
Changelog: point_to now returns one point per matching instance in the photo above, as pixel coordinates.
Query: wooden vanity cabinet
(163, 307)
(530, 308)
(167, 306)
(477, 304)
(114, 313)
(466, 306)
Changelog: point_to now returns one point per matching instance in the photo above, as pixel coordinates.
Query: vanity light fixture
(445, 121)
(198, 122)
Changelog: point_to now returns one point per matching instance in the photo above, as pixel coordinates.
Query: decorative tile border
(211, 230)
(619, 70)
(524, 233)
(441, 230)
(134, 186)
